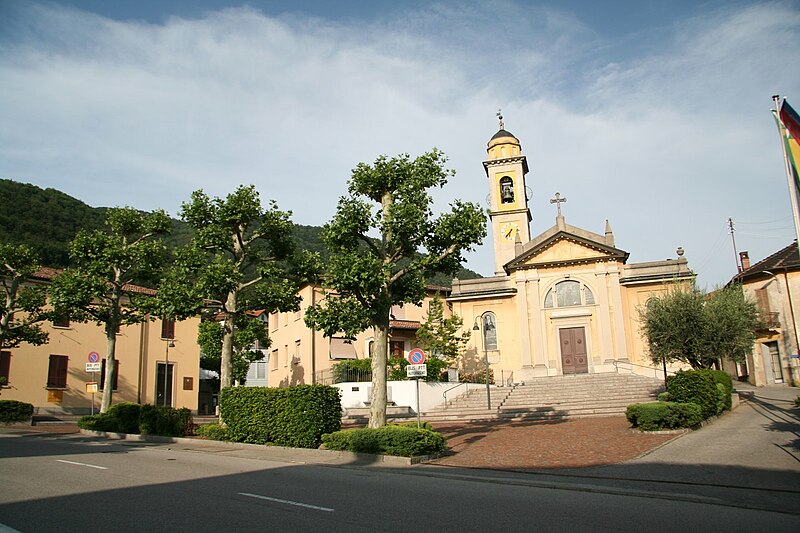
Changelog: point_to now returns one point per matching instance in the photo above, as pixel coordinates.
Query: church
(562, 302)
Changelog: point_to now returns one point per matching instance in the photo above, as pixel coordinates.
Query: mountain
(47, 220)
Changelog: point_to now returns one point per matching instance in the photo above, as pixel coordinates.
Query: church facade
(562, 302)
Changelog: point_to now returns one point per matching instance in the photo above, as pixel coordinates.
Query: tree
(368, 276)
(242, 258)
(440, 336)
(107, 263)
(24, 305)
(247, 331)
(689, 326)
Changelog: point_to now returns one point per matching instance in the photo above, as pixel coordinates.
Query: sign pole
(419, 424)
(93, 379)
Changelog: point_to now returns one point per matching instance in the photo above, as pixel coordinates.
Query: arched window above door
(568, 293)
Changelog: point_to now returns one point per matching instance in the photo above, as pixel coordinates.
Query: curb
(278, 453)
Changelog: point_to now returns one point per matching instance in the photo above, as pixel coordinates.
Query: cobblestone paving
(532, 445)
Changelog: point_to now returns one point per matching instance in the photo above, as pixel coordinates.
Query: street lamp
(475, 327)
(170, 344)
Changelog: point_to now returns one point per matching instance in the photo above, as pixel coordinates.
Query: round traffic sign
(94, 357)
(416, 356)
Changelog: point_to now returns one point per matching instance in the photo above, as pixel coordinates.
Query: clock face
(509, 230)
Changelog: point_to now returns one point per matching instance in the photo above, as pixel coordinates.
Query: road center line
(82, 464)
(287, 502)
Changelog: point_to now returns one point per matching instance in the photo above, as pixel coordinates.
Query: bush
(14, 411)
(212, 432)
(353, 370)
(724, 387)
(165, 421)
(101, 422)
(663, 415)
(476, 377)
(398, 440)
(127, 415)
(293, 416)
(694, 386)
(663, 396)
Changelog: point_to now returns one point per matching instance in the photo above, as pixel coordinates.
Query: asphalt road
(56, 483)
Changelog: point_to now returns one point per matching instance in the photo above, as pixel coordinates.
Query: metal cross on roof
(558, 201)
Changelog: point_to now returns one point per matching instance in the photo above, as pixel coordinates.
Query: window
(296, 352)
(506, 190)
(273, 359)
(167, 328)
(5, 368)
(61, 322)
(285, 355)
(103, 375)
(57, 372)
(489, 331)
(396, 349)
(568, 293)
(273, 321)
(371, 348)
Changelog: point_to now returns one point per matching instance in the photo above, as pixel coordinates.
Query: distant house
(774, 284)
(159, 363)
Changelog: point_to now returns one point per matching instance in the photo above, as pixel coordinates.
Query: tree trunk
(226, 359)
(377, 408)
(111, 367)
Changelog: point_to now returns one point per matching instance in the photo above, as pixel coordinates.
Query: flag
(791, 153)
(790, 120)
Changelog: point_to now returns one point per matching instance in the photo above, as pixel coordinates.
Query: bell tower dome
(506, 168)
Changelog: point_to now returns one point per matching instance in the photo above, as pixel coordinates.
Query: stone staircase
(552, 398)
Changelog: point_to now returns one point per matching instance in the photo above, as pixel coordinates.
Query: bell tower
(508, 203)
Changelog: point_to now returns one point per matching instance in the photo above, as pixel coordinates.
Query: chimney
(744, 257)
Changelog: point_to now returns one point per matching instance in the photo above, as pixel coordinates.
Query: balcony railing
(770, 320)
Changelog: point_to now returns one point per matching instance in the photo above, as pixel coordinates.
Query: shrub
(353, 370)
(100, 422)
(663, 396)
(212, 432)
(14, 411)
(293, 416)
(663, 415)
(476, 377)
(423, 425)
(165, 421)
(724, 387)
(127, 415)
(797, 402)
(694, 387)
(389, 440)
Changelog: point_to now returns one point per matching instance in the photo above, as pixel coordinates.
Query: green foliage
(106, 263)
(22, 304)
(440, 336)
(165, 421)
(694, 387)
(212, 432)
(797, 402)
(101, 422)
(689, 326)
(366, 276)
(242, 258)
(422, 425)
(127, 415)
(293, 416)
(352, 370)
(663, 396)
(437, 369)
(659, 415)
(14, 411)
(476, 377)
(402, 440)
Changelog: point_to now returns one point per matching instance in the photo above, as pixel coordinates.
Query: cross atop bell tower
(506, 168)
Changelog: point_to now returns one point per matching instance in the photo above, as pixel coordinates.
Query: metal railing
(444, 394)
(658, 372)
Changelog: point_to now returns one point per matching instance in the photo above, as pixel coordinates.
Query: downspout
(313, 339)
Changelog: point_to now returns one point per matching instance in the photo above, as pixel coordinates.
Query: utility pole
(735, 252)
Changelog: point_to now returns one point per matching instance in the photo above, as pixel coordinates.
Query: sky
(654, 115)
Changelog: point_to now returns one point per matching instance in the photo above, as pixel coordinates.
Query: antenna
(735, 253)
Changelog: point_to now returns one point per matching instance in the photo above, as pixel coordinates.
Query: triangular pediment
(560, 247)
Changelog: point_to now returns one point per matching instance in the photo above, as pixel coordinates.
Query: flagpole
(789, 173)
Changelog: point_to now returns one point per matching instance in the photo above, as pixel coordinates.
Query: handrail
(655, 369)
(444, 394)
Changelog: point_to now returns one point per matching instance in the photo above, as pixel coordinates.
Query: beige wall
(139, 349)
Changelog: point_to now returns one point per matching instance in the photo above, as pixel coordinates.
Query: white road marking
(82, 464)
(287, 502)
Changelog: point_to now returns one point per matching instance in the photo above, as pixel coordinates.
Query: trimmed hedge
(403, 441)
(293, 416)
(211, 432)
(14, 411)
(133, 418)
(663, 415)
(697, 387)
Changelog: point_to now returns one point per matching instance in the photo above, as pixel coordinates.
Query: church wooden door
(573, 351)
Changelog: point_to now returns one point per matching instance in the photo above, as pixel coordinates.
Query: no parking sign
(416, 356)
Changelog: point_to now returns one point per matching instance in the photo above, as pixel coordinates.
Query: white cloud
(666, 141)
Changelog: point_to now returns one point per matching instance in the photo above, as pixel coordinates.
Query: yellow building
(299, 355)
(562, 302)
(54, 377)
